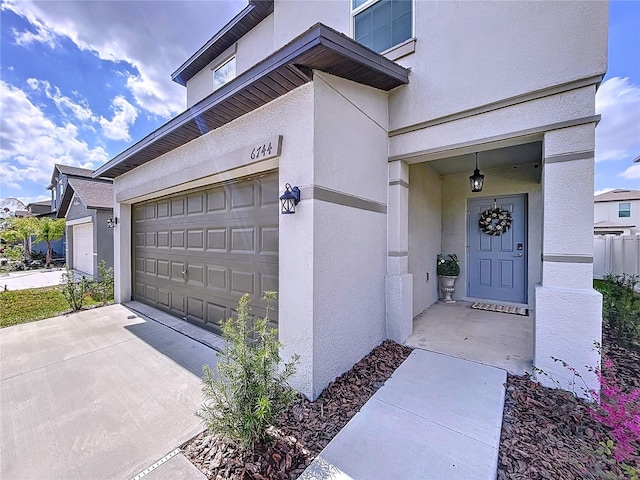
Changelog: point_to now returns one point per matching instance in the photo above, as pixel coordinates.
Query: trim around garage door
(197, 252)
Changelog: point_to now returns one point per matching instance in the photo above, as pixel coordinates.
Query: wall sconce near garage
(112, 222)
(476, 181)
(289, 199)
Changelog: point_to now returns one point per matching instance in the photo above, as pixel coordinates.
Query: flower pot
(447, 287)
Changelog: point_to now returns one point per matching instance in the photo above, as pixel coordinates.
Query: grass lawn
(23, 306)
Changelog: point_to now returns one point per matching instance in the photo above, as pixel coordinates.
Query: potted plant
(448, 270)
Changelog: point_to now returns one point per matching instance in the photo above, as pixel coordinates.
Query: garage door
(83, 248)
(198, 252)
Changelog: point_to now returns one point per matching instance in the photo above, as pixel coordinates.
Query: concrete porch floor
(496, 339)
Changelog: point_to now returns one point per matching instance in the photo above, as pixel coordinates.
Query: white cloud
(31, 143)
(65, 105)
(618, 134)
(154, 37)
(632, 172)
(124, 116)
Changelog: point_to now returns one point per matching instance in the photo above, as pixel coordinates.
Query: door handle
(184, 274)
(518, 254)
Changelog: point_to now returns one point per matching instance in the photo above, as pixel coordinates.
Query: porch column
(568, 311)
(399, 282)
(122, 253)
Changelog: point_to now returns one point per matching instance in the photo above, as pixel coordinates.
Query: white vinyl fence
(616, 254)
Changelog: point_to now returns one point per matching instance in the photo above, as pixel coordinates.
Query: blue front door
(496, 267)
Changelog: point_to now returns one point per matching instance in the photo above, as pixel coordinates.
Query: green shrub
(448, 265)
(621, 307)
(243, 399)
(103, 288)
(14, 253)
(74, 291)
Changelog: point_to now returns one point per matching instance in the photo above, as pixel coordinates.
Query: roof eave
(319, 48)
(236, 28)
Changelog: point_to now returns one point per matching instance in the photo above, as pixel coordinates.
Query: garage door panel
(217, 239)
(243, 196)
(195, 239)
(176, 271)
(163, 297)
(216, 200)
(163, 268)
(217, 278)
(242, 281)
(177, 207)
(177, 303)
(243, 240)
(163, 209)
(195, 275)
(151, 293)
(269, 240)
(224, 237)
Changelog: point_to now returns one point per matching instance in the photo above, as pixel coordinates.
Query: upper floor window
(224, 73)
(624, 209)
(382, 24)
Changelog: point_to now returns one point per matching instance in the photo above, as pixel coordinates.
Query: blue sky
(81, 81)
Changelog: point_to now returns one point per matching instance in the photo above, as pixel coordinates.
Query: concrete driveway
(102, 393)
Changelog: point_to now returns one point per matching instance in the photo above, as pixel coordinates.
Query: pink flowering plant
(619, 411)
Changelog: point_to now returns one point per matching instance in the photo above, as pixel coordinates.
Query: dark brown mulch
(305, 428)
(549, 434)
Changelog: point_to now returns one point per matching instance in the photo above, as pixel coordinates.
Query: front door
(498, 258)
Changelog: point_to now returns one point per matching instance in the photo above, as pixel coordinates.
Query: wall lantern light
(476, 180)
(290, 199)
(112, 222)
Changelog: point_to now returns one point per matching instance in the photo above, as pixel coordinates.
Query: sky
(80, 81)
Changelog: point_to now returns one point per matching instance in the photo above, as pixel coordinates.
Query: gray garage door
(197, 252)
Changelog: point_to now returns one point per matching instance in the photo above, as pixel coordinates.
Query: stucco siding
(425, 233)
(609, 212)
(104, 239)
(349, 242)
(524, 47)
(501, 181)
(292, 17)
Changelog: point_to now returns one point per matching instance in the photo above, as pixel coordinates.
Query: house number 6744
(261, 151)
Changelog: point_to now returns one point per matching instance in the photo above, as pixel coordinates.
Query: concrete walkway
(438, 417)
(30, 279)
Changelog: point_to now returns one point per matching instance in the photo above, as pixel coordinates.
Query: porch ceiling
(527, 153)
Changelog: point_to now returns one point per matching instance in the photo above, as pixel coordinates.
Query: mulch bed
(546, 434)
(549, 434)
(305, 428)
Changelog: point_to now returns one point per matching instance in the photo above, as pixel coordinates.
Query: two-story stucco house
(617, 212)
(86, 203)
(375, 110)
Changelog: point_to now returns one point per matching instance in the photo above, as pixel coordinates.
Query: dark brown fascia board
(319, 36)
(225, 38)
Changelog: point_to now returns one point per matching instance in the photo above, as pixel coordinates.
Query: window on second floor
(224, 73)
(624, 209)
(382, 24)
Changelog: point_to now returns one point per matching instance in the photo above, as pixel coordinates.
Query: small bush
(249, 391)
(103, 288)
(74, 291)
(621, 307)
(448, 265)
(14, 253)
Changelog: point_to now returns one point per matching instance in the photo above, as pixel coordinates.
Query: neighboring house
(43, 209)
(617, 212)
(86, 204)
(376, 114)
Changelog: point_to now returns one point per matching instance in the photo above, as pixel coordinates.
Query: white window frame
(370, 3)
(626, 210)
(218, 67)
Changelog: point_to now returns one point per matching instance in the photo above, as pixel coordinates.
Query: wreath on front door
(495, 221)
